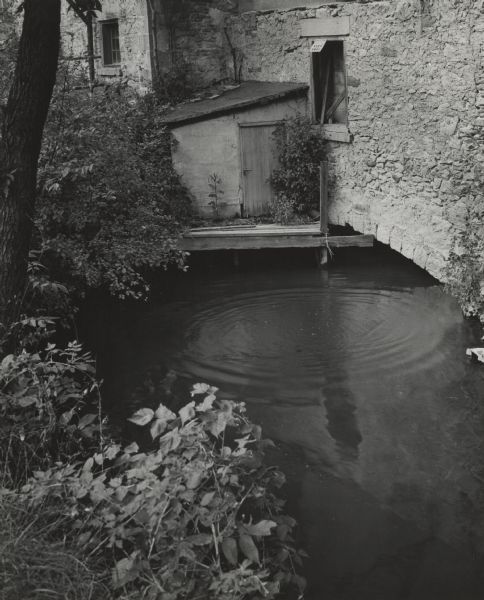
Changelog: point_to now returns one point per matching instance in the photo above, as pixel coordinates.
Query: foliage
(111, 205)
(216, 193)
(282, 209)
(46, 399)
(173, 85)
(37, 565)
(195, 517)
(8, 48)
(465, 267)
(296, 182)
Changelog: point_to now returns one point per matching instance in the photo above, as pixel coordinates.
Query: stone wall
(191, 38)
(133, 36)
(416, 114)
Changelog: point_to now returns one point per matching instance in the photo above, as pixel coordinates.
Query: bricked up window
(330, 98)
(110, 40)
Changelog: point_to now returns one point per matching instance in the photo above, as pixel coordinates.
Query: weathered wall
(133, 34)
(191, 37)
(416, 112)
(213, 146)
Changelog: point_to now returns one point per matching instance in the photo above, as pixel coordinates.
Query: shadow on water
(359, 375)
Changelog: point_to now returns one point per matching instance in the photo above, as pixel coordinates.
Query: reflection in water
(360, 376)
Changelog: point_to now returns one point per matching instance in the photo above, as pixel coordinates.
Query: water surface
(359, 374)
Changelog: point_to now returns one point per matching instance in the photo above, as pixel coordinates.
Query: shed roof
(248, 94)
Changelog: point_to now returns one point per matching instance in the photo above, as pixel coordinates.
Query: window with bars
(330, 98)
(110, 43)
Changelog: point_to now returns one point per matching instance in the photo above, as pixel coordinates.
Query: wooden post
(323, 208)
(90, 50)
(323, 197)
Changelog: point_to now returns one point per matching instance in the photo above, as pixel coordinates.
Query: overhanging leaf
(229, 549)
(248, 548)
(262, 528)
(142, 416)
(187, 412)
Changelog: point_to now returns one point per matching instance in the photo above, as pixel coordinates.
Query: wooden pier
(258, 237)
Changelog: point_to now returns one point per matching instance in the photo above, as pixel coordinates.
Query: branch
(77, 10)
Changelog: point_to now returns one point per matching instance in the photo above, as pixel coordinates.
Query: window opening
(330, 98)
(110, 39)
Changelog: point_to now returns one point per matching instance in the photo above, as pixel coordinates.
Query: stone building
(395, 86)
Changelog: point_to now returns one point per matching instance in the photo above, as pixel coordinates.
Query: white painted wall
(213, 146)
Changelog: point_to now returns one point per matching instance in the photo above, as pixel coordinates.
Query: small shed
(224, 148)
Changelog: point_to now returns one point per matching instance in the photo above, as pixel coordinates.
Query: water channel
(359, 375)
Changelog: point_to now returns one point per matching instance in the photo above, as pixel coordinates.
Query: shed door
(259, 159)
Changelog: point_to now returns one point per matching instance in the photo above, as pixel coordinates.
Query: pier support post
(236, 259)
(323, 257)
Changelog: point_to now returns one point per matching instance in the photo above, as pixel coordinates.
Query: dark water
(360, 376)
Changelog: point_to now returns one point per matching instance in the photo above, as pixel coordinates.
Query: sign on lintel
(318, 46)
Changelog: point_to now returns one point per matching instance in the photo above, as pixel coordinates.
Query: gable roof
(246, 95)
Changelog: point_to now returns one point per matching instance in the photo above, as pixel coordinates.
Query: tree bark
(20, 141)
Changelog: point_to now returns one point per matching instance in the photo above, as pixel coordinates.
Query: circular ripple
(310, 336)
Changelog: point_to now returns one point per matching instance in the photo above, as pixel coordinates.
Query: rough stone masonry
(415, 166)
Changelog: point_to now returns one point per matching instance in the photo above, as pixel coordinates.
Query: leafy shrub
(45, 398)
(111, 205)
(282, 209)
(196, 517)
(173, 85)
(465, 268)
(296, 182)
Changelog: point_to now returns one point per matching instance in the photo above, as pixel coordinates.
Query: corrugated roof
(248, 94)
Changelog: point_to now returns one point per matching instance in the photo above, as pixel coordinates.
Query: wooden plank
(247, 233)
(323, 197)
(329, 64)
(251, 5)
(337, 132)
(223, 228)
(190, 244)
(325, 27)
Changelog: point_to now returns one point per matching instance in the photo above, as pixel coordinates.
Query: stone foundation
(416, 114)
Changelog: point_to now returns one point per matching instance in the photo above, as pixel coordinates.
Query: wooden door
(258, 161)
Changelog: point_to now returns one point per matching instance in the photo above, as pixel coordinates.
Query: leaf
(202, 539)
(112, 451)
(229, 549)
(88, 465)
(262, 528)
(142, 416)
(282, 555)
(248, 548)
(187, 412)
(164, 414)
(125, 571)
(66, 417)
(199, 388)
(300, 582)
(86, 420)
(26, 401)
(194, 479)
(283, 531)
(207, 403)
(157, 428)
(7, 361)
(133, 448)
(207, 498)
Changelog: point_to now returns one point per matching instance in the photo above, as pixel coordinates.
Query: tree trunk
(90, 51)
(20, 141)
